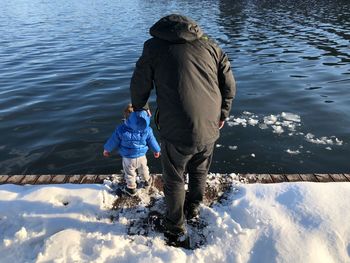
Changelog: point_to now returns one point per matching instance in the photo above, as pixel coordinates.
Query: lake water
(65, 68)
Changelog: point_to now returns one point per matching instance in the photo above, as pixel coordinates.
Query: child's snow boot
(130, 191)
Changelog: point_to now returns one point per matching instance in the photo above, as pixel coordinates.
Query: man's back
(192, 77)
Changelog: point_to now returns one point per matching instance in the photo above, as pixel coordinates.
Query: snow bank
(289, 222)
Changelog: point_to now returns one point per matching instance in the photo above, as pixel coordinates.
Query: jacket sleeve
(113, 142)
(227, 86)
(152, 142)
(142, 80)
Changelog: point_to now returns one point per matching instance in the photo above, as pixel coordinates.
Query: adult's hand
(106, 153)
(221, 124)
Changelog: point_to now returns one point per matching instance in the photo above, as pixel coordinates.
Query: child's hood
(138, 120)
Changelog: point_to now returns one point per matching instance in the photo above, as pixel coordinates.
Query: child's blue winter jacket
(133, 137)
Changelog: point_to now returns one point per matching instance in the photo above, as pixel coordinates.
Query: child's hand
(156, 155)
(106, 153)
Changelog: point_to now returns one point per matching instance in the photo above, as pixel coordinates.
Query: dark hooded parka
(193, 80)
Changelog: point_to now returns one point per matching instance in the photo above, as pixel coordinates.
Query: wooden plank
(3, 179)
(251, 178)
(15, 179)
(44, 179)
(347, 176)
(92, 179)
(293, 177)
(264, 178)
(74, 179)
(308, 177)
(339, 178)
(58, 179)
(324, 178)
(88, 179)
(100, 178)
(30, 179)
(278, 178)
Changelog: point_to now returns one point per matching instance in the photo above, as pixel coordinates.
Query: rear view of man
(195, 88)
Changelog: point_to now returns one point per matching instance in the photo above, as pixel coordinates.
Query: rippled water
(65, 68)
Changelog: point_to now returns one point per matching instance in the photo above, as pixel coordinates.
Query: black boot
(192, 211)
(177, 240)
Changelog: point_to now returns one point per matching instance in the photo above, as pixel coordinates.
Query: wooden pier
(98, 179)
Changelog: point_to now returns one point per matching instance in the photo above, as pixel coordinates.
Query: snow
(287, 222)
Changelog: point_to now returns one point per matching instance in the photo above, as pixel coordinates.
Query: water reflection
(66, 66)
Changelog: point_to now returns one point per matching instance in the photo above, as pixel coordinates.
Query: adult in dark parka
(195, 88)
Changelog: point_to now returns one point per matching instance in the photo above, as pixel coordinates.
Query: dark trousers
(176, 160)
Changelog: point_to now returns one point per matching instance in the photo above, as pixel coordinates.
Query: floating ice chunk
(289, 125)
(338, 142)
(328, 148)
(218, 145)
(290, 116)
(291, 128)
(22, 234)
(277, 129)
(253, 155)
(280, 123)
(236, 121)
(240, 121)
(234, 147)
(7, 242)
(263, 126)
(270, 119)
(311, 138)
(253, 122)
(293, 152)
(323, 140)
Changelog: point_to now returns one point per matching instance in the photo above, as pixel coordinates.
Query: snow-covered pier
(98, 179)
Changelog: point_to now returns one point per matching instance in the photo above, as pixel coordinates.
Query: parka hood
(138, 120)
(176, 28)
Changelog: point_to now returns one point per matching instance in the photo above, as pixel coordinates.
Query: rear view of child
(132, 139)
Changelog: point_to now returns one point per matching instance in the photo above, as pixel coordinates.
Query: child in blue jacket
(132, 139)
